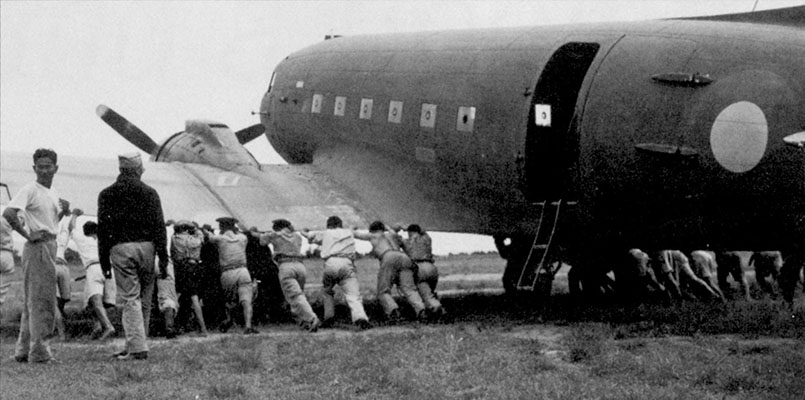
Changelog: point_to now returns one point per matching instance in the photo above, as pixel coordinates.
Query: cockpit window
(271, 83)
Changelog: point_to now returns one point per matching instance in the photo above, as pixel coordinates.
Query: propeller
(248, 134)
(128, 130)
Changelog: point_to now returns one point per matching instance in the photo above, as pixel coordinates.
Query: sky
(161, 63)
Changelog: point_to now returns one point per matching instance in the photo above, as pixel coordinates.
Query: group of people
(671, 275)
(133, 257)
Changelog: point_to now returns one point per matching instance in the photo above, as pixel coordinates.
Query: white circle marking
(739, 136)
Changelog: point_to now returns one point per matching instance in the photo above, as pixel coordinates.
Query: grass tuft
(226, 390)
(125, 375)
(587, 341)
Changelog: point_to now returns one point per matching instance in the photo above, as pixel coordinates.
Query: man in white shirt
(39, 204)
(99, 292)
(338, 251)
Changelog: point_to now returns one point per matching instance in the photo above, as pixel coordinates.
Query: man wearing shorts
(99, 292)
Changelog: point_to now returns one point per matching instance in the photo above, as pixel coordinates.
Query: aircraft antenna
(755, 6)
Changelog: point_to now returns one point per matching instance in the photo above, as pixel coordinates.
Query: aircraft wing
(201, 193)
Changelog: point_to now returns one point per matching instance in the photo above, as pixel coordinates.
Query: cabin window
(395, 111)
(427, 118)
(465, 121)
(366, 109)
(315, 106)
(340, 106)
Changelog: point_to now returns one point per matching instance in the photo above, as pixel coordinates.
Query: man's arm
(10, 214)
(363, 235)
(104, 235)
(159, 235)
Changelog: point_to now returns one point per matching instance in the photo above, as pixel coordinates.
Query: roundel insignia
(739, 136)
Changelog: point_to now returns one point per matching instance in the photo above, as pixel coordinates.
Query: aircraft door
(633, 132)
(551, 148)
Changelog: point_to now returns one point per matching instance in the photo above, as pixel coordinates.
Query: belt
(191, 261)
(388, 251)
(350, 257)
(92, 263)
(281, 258)
(231, 267)
(430, 260)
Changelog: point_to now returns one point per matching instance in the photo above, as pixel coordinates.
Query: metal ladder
(549, 218)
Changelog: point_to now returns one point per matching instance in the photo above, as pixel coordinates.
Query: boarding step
(538, 269)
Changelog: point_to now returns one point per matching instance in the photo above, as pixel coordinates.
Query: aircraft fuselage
(656, 134)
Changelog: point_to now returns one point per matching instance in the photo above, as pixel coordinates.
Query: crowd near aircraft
(573, 141)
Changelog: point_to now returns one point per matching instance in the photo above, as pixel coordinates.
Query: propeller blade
(250, 133)
(126, 129)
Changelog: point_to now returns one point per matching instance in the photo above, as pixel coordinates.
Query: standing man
(287, 245)
(40, 205)
(338, 251)
(395, 267)
(131, 233)
(235, 278)
(419, 248)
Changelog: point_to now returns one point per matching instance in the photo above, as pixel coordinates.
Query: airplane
(574, 141)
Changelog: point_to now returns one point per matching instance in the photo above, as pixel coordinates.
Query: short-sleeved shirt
(39, 206)
(638, 263)
(285, 242)
(767, 260)
(419, 247)
(337, 242)
(6, 242)
(231, 249)
(186, 246)
(382, 242)
(87, 246)
(703, 263)
(673, 261)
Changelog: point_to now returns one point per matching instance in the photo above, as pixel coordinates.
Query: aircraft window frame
(340, 106)
(316, 103)
(366, 109)
(395, 111)
(427, 117)
(465, 119)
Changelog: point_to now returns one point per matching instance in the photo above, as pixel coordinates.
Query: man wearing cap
(39, 203)
(131, 233)
(419, 248)
(395, 267)
(292, 273)
(235, 278)
(338, 251)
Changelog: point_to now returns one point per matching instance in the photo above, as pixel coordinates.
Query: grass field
(491, 349)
